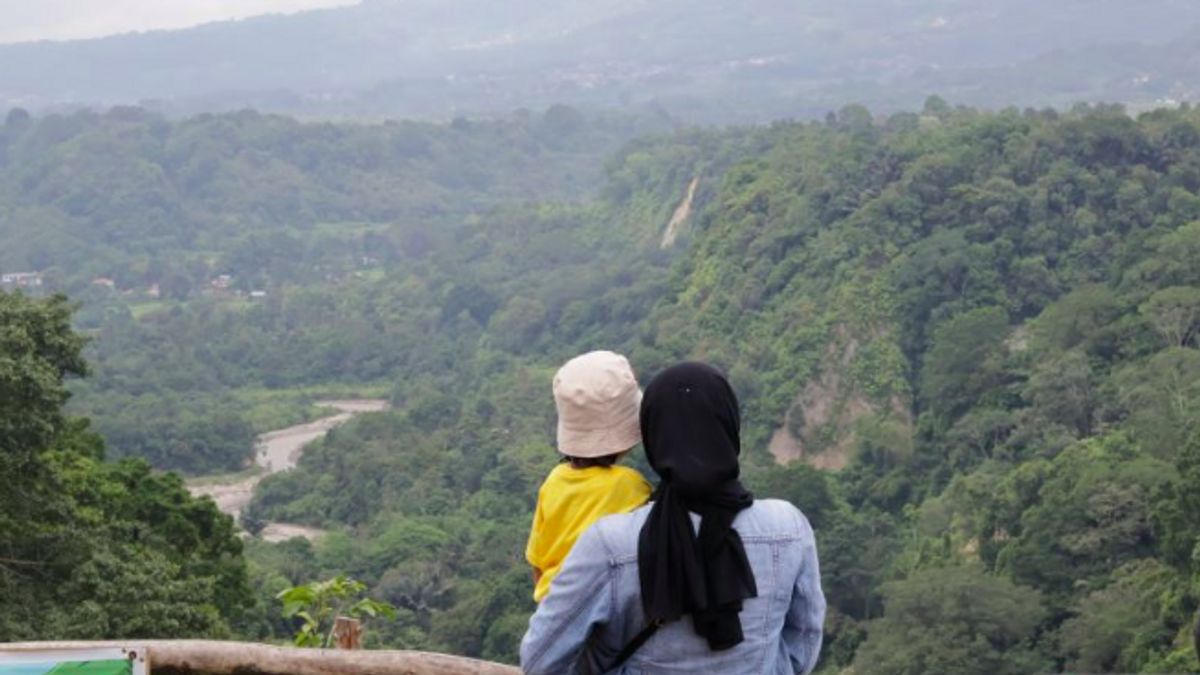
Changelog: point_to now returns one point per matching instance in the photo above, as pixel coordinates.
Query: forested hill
(982, 326)
(258, 220)
(134, 197)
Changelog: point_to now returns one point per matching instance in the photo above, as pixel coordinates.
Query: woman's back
(596, 600)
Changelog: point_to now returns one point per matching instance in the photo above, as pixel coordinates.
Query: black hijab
(690, 424)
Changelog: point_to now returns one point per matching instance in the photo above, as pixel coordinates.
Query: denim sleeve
(580, 599)
(803, 628)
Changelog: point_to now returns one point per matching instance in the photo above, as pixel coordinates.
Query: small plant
(319, 604)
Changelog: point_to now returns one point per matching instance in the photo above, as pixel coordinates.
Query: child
(597, 398)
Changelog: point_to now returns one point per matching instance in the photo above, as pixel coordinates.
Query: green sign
(110, 661)
(122, 667)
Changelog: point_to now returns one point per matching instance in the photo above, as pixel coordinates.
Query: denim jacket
(595, 608)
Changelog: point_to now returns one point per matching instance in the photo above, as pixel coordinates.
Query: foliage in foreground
(319, 604)
(91, 549)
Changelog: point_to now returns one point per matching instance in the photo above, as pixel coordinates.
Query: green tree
(38, 350)
(90, 549)
(953, 620)
(1090, 513)
(1175, 523)
(1081, 318)
(320, 603)
(1162, 397)
(1178, 251)
(1064, 391)
(1119, 627)
(802, 485)
(518, 323)
(1175, 314)
(962, 364)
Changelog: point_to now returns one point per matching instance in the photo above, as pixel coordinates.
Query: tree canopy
(91, 549)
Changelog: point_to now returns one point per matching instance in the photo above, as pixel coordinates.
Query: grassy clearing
(320, 392)
(140, 309)
(271, 409)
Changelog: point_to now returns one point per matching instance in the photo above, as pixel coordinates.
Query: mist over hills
(706, 60)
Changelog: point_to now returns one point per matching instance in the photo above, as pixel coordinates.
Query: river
(280, 450)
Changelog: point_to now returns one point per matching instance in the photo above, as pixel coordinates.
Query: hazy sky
(22, 20)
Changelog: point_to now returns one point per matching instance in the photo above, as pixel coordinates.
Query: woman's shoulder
(772, 518)
(778, 508)
(619, 532)
(765, 519)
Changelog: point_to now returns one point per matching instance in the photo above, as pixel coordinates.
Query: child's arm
(533, 547)
(580, 605)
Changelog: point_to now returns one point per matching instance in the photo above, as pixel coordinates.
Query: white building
(21, 279)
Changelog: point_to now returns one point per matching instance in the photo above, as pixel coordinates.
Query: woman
(703, 579)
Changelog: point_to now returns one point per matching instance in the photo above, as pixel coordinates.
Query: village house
(21, 279)
(221, 286)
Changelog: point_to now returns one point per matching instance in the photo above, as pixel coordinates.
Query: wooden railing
(206, 657)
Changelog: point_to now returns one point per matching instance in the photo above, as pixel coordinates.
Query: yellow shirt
(568, 503)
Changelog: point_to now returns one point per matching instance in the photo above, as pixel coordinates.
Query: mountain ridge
(419, 58)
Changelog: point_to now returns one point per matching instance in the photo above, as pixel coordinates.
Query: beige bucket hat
(597, 397)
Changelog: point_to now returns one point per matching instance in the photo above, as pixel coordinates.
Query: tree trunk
(347, 633)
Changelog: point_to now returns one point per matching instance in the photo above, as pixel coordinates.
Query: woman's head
(691, 427)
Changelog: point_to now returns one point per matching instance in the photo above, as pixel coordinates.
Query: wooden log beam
(209, 657)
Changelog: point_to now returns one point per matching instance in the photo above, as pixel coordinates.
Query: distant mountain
(705, 59)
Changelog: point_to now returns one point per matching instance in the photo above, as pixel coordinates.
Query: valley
(277, 451)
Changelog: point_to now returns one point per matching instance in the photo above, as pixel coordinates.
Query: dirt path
(277, 451)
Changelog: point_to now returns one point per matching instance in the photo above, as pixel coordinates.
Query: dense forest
(965, 342)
